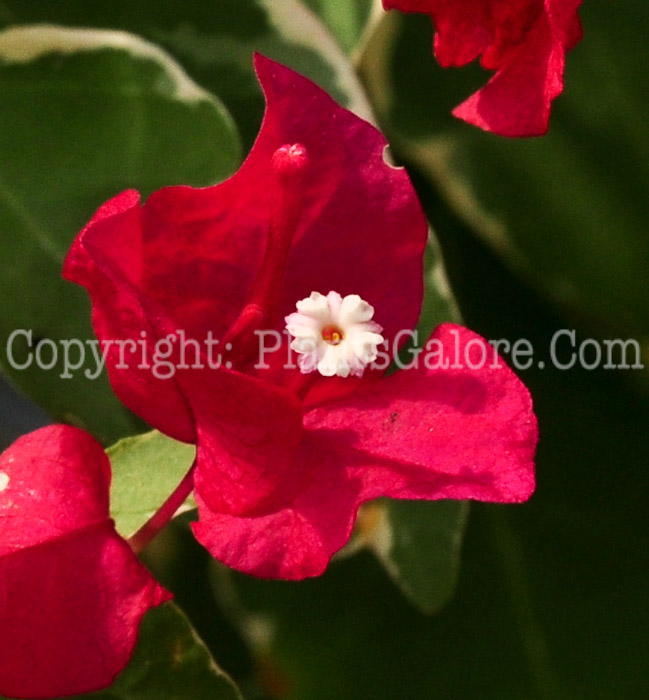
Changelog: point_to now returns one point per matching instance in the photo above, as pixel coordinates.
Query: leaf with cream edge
(285, 459)
(348, 22)
(214, 43)
(85, 113)
(73, 593)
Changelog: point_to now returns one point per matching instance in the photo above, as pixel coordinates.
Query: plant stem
(164, 514)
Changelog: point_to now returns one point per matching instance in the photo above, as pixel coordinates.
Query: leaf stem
(164, 514)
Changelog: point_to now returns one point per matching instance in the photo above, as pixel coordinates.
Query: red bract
(524, 41)
(284, 459)
(72, 593)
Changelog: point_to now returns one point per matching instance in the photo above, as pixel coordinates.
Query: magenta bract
(284, 459)
(523, 41)
(72, 593)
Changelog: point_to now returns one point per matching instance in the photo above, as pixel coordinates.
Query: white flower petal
(315, 305)
(335, 302)
(302, 325)
(354, 310)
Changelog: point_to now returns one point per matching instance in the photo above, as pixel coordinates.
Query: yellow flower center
(333, 335)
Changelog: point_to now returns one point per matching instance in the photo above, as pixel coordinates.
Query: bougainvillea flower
(524, 41)
(315, 228)
(72, 593)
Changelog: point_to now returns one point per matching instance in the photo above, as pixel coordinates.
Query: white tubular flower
(334, 335)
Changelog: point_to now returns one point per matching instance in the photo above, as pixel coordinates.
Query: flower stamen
(333, 335)
(289, 163)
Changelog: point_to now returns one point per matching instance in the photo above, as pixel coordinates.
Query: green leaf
(83, 115)
(567, 211)
(440, 305)
(170, 662)
(419, 544)
(146, 470)
(215, 42)
(347, 21)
